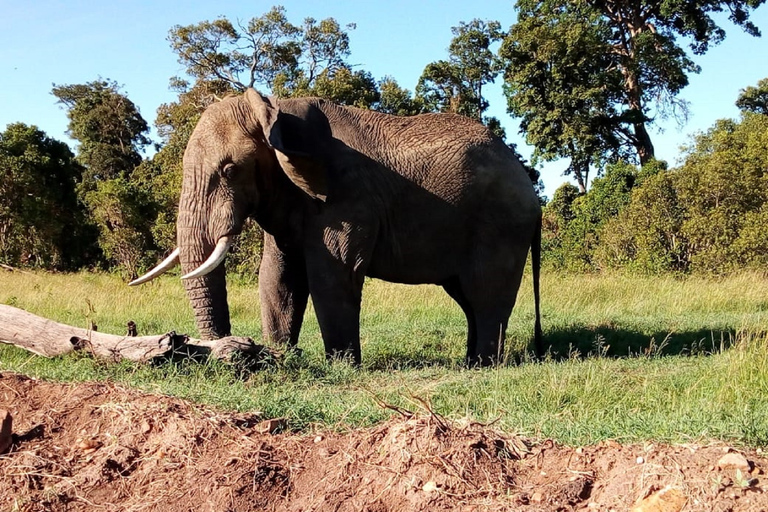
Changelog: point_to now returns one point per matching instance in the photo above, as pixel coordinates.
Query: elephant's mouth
(214, 260)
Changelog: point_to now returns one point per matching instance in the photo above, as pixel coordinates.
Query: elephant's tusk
(213, 261)
(167, 264)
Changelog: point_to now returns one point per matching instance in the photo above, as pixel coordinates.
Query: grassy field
(631, 358)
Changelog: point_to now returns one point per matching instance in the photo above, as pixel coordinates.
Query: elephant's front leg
(283, 291)
(336, 273)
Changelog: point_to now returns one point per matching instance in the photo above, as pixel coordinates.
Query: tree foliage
(456, 85)
(108, 126)
(587, 77)
(269, 52)
(42, 224)
(707, 216)
(754, 98)
(111, 134)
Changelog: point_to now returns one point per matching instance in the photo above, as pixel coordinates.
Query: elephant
(342, 193)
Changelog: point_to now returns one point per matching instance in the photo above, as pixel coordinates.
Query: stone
(272, 426)
(6, 430)
(669, 499)
(429, 487)
(734, 460)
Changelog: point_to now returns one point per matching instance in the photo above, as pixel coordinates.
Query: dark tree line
(586, 79)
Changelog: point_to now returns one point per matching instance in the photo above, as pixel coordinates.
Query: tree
(108, 126)
(395, 100)
(708, 216)
(270, 52)
(588, 76)
(754, 99)
(112, 135)
(42, 224)
(456, 85)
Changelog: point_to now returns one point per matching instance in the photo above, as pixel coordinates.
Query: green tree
(723, 185)
(108, 126)
(42, 224)
(708, 216)
(573, 222)
(588, 76)
(754, 99)
(123, 214)
(456, 85)
(270, 52)
(111, 135)
(395, 100)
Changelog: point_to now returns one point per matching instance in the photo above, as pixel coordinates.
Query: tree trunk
(50, 339)
(644, 145)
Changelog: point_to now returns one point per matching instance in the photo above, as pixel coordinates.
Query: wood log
(50, 339)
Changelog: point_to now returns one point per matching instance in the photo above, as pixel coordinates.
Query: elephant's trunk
(207, 294)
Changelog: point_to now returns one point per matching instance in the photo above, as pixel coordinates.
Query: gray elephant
(343, 193)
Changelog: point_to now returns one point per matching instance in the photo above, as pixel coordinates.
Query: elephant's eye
(228, 171)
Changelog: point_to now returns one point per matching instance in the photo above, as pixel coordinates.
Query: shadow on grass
(608, 341)
(576, 341)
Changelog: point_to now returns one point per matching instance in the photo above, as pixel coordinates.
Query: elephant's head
(238, 156)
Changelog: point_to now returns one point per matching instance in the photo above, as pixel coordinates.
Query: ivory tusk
(164, 266)
(214, 260)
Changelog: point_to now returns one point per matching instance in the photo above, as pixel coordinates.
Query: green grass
(632, 358)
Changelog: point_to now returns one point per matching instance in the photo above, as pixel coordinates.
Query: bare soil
(99, 446)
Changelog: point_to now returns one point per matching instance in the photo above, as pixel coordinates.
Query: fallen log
(50, 339)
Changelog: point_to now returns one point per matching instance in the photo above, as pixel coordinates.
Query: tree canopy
(42, 223)
(111, 134)
(587, 77)
(108, 126)
(754, 98)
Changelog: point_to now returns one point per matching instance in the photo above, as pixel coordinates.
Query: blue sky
(77, 41)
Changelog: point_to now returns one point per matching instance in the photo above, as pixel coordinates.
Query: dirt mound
(99, 446)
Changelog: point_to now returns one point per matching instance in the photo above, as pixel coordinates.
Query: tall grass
(693, 356)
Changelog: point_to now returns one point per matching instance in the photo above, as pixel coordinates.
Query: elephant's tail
(536, 266)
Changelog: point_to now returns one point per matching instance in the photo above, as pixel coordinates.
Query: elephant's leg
(492, 293)
(283, 291)
(336, 295)
(453, 288)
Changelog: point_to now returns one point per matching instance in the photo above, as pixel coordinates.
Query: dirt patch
(100, 446)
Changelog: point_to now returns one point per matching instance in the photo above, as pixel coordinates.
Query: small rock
(429, 487)
(669, 499)
(6, 430)
(537, 497)
(318, 439)
(272, 426)
(88, 445)
(640, 460)
(145, 427)
(579, 450)
(733, 460)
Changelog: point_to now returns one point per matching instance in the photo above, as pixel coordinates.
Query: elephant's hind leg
(491, 292)
(453, 288)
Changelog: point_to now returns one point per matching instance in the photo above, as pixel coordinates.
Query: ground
(100, 446)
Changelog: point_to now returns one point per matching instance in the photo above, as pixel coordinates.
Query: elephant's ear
(292, 139)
